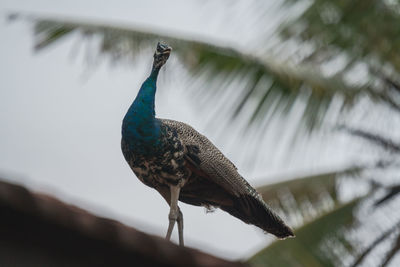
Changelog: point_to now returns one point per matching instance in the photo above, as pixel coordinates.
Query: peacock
(182, 164)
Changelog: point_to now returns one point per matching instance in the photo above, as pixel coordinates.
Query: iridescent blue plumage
(140, 128)
(181, 164)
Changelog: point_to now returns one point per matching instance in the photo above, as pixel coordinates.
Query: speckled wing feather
(247, 204)
(211, 160)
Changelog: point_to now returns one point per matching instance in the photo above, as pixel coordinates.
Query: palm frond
(357, 40)
(341, 237)
(267, 79)
(307, 248)
(374, 138)
(302, 199)
(391, 192)
(341, 243)
(364, 32)
(392, 252)
(373, 245)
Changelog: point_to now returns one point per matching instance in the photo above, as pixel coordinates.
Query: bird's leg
(174, 211)
(180, 227)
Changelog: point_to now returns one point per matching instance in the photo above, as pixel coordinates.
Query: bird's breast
(164, 165)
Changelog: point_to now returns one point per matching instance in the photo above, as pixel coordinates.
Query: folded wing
(218, 183)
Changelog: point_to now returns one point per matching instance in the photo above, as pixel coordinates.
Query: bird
(183, 165)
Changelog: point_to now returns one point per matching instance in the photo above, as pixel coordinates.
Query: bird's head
(161, 55)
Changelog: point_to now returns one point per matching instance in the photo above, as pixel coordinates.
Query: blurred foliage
(267, 79)
(307, 248)
(332, 29)
(336, 52)
(305, 198)
(356, 35)
(349, 34)
(335, 236)
(363, 30)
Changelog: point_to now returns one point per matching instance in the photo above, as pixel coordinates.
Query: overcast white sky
(60, 127)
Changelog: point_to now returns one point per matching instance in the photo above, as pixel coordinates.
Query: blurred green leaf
(363, 30)
(267, 79)
(308, 195)
(306, 248)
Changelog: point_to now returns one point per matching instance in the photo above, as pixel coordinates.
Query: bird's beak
(167, 50)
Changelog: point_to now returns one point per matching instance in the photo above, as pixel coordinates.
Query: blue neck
(140, 127)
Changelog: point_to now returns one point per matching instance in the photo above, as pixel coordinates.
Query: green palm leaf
(309, 196)
(364, 31)
(269, 83)
(306, 249)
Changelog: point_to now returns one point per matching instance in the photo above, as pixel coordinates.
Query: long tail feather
(253, 210)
